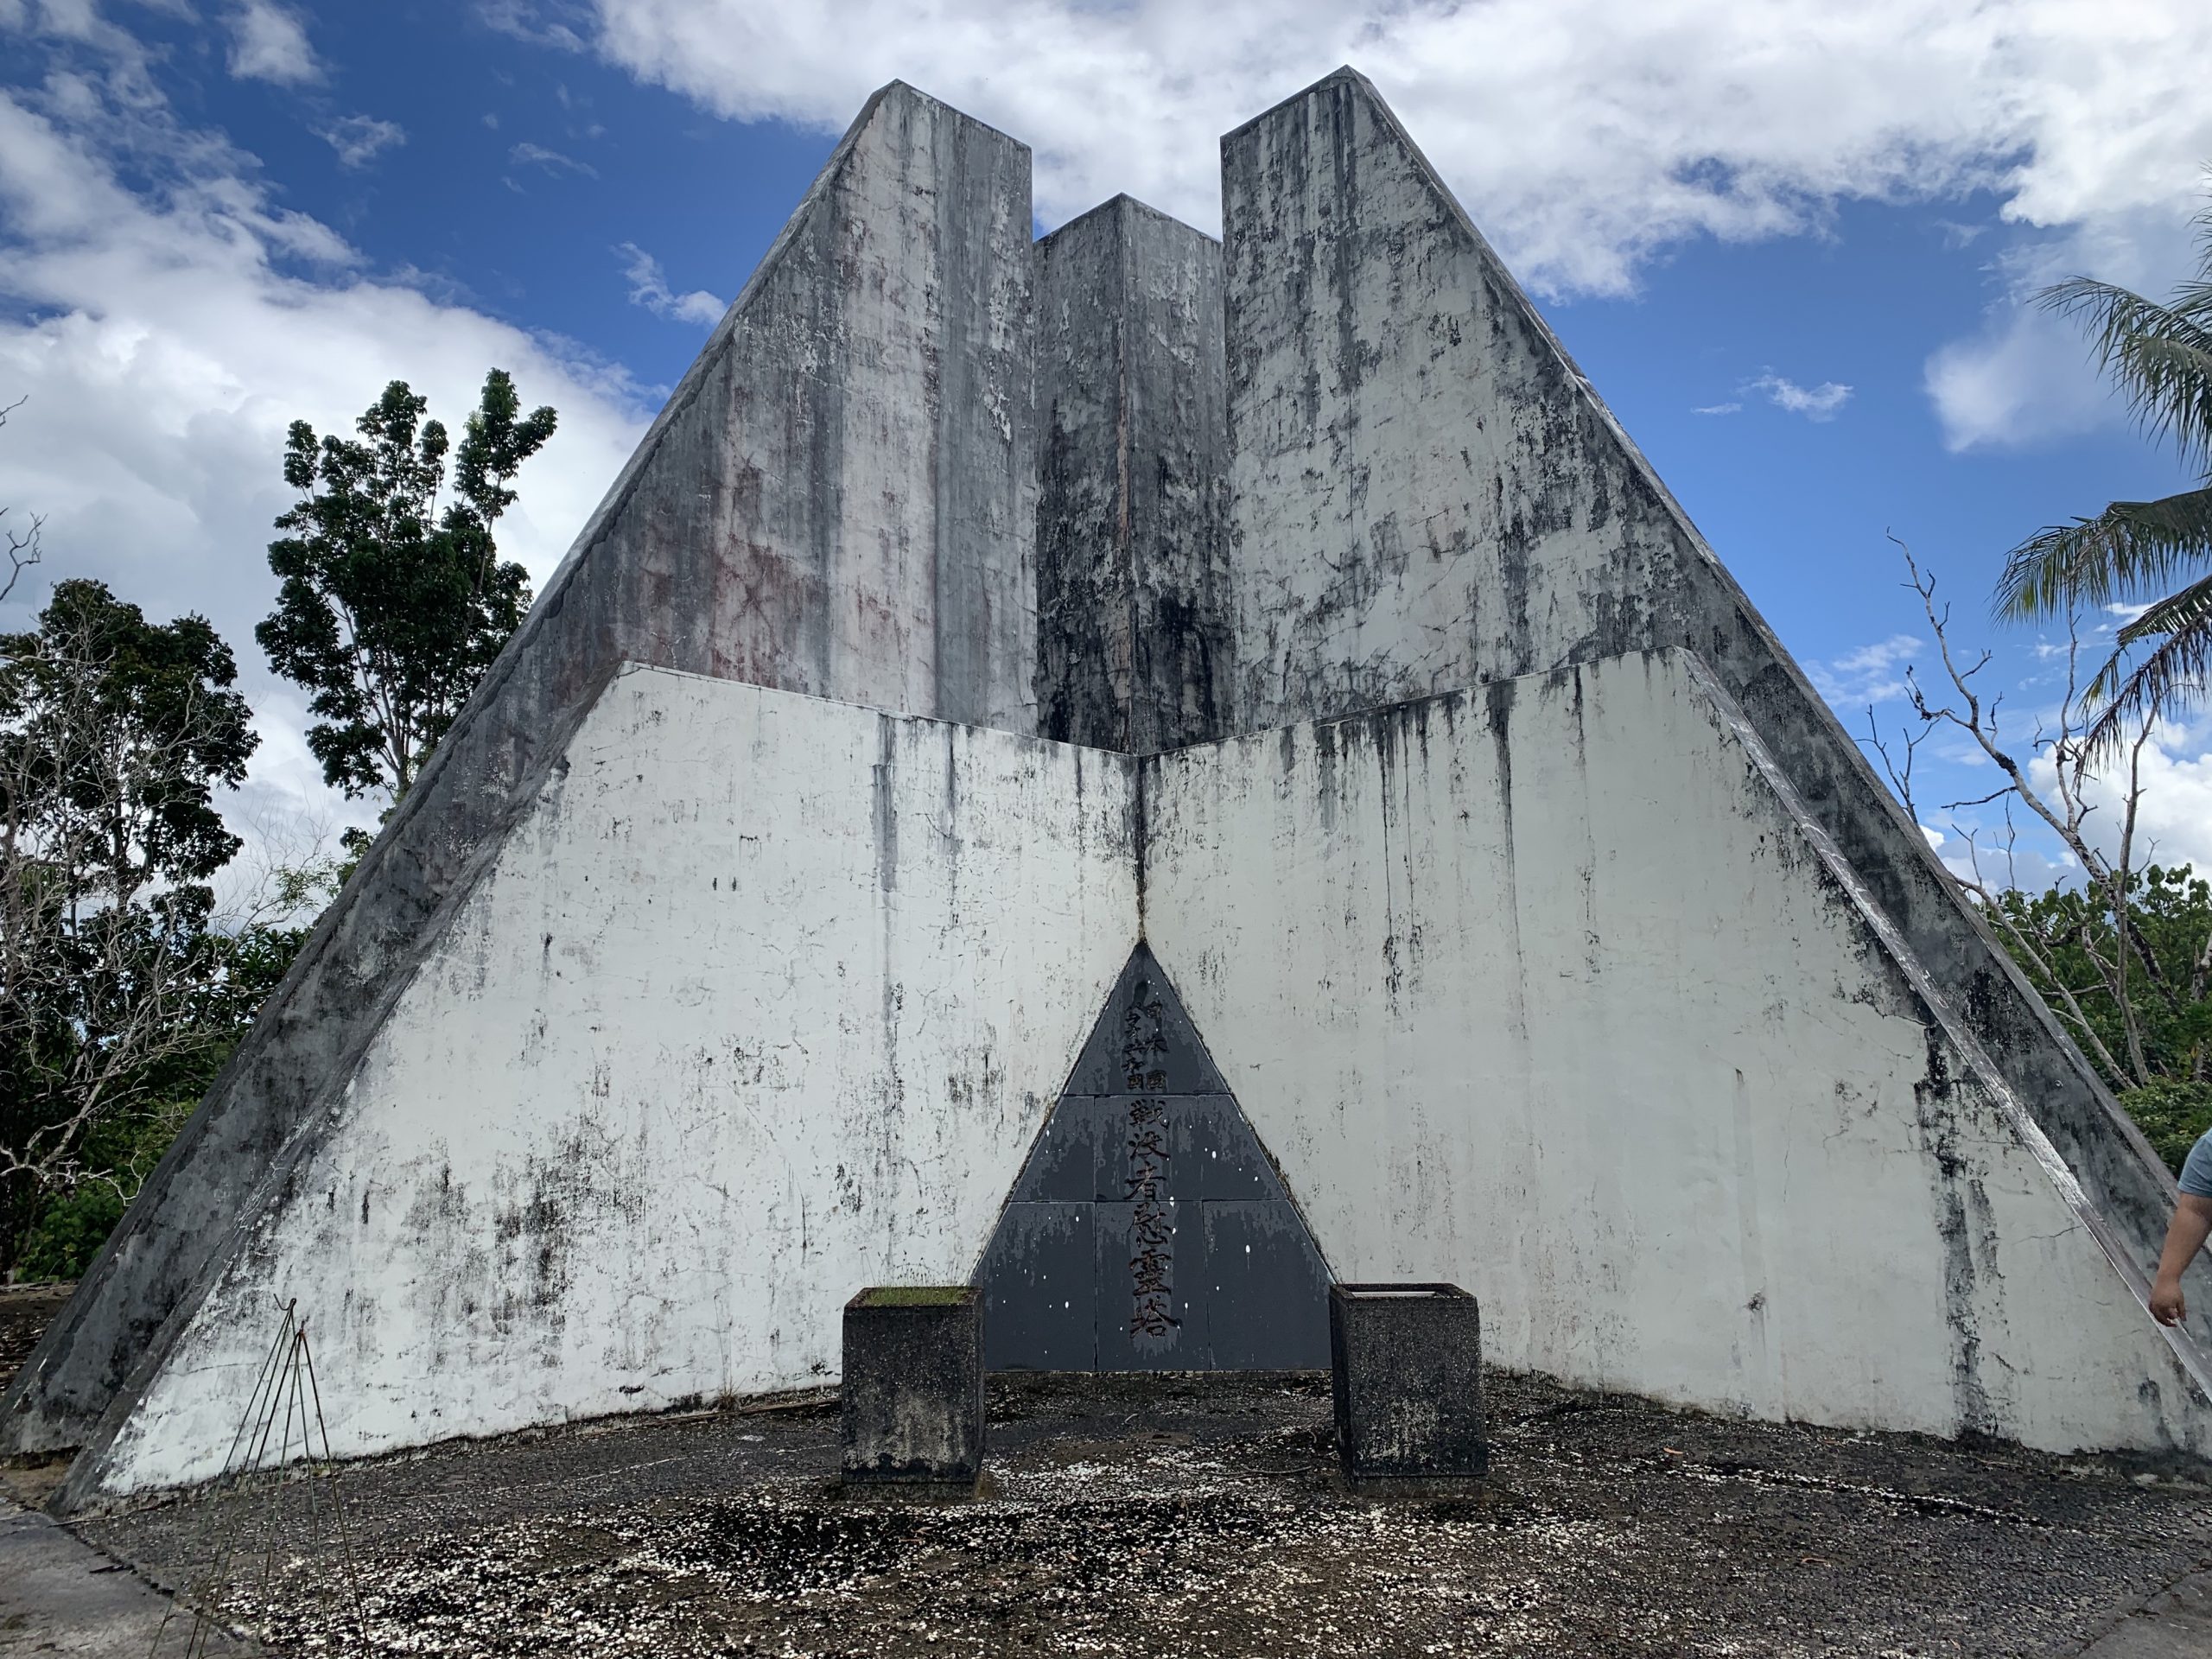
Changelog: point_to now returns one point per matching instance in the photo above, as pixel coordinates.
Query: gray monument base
(912, 1398)
(1405, 1361)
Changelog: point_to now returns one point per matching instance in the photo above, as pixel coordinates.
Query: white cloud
(359, 139)
(168, 328)
(1872, 674)
(2026, 376)
(269, 42)
(1583, 135)
(1717, 409)
(649, 287)
(530, 155)
(1820, 403)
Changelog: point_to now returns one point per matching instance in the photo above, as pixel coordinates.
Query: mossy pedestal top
(877, 1296)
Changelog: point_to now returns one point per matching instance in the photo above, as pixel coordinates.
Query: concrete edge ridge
(1343, 75)
(1124, 200)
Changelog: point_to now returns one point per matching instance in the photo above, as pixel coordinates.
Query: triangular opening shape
(1148, 1229)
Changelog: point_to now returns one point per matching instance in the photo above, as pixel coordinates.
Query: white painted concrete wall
(763, 1001)
(1542, 990)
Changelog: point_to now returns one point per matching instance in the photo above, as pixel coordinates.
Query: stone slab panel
(1152, 1289)
(1267, 1289)
(1144, 1042)
(1040, 1278)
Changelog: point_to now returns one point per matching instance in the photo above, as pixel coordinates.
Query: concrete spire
(1136, 639)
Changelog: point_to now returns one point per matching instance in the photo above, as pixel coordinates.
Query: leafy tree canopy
(115, 993)
(2066, 941)
(392, 605)
(153, 727)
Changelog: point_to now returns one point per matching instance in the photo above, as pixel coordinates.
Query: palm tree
(2161, 356)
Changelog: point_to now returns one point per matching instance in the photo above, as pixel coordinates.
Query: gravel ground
(1183, 1515)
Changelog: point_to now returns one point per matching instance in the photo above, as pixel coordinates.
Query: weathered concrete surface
(1405, 1373)
(841, 500)
(1136, 629)
(764, 1001)
(838, 500)
(910, 1392)
(59, 1595)
(1548, 990)
(1163, 1514)
(1426, 494)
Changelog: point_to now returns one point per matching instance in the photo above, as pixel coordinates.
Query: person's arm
(2185, 1236)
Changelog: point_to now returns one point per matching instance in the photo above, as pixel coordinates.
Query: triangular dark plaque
(1148, 1229)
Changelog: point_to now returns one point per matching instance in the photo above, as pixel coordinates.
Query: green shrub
(69, 1231)
(2172, 1115)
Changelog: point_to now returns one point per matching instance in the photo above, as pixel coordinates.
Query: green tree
(114, 733)
(2160, 355)
(2154, 1048)
(393, 606)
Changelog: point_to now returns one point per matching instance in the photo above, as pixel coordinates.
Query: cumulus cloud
(359, 139)
(1820, 403)
(168, 322)
(649, 287)
(1584, 135)
(2026, 376)
(1872, 674)
(2173, 821)
(269, 42)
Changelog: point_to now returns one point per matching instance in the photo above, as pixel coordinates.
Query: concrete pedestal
(1405, 1360)
(913, 1397)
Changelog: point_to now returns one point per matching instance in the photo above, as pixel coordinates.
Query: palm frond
(2130, 550)
(2169, 680)
(2176, 613)
(2159, 355)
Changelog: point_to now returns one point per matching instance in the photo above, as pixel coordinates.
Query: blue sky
(1790, 252)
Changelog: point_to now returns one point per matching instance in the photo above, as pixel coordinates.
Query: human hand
(2168, 1305)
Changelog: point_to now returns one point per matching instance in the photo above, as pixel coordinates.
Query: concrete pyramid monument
(1287, 611)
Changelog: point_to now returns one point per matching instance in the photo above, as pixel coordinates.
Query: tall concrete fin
(1428, 495)
(838, 500)
(1136, 634)
(1148, 1229)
